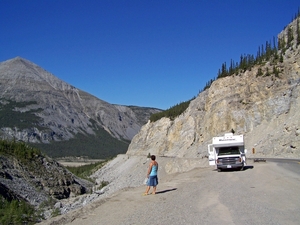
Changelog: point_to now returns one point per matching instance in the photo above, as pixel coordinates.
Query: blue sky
(153, 53)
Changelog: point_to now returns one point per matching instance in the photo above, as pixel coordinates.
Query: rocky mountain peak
(21, 70)
(59, 111)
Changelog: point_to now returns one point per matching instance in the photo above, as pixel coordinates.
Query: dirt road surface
(264, 193)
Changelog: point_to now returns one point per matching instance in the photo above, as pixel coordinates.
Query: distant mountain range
(38, 108)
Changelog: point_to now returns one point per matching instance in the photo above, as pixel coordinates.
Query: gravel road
(264, 193)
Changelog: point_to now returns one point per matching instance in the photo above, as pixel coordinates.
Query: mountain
(39, 108)
(261, 103)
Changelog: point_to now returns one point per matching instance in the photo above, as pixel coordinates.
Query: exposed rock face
(63, 109)
(37, 181)
(263, 108)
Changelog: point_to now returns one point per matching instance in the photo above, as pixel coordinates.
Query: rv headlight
(239, 159)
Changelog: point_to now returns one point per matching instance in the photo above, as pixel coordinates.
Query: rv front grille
(229, 160)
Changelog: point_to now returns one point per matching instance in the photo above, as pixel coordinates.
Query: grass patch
(86, 171)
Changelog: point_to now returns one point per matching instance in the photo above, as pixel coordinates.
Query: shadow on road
(164, 191)
(234, 170)
(248, 167)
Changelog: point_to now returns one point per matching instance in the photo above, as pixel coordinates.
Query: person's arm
(149, 169)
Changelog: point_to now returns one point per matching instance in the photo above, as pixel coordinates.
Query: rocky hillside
(37, 107)
(262, 105)
(36, 182)
(29, 176)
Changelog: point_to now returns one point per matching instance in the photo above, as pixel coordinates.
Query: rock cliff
(263, 108)
(38, 181)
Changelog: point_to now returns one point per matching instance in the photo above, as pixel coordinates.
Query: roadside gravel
(264, 193)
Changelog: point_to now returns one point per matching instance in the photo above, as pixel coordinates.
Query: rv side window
(229, 151)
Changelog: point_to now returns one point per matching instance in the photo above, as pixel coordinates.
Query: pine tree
(241, 62)
(282, 44)
(231, 68)
(258, 55)
(274, 44)
(281, 58)
(279, 43)
(275, 71)
(290, 37)
(262, 51)
(224, 70)
(267, 72)
(259, 72)
(298, 32)
(268, 50)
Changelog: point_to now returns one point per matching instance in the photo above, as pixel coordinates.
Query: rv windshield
(229, 151)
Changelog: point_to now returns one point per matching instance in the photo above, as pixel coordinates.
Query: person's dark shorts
(152, 181)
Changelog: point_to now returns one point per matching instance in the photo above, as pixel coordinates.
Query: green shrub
(55, 212)
(17, 212)
(103, 184)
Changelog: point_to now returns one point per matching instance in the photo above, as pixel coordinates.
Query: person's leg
(154, 190)
(147, 190)
(155, 184)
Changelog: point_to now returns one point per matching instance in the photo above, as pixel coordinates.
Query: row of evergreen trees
(20, 150)
(172, 112)
(272, 50)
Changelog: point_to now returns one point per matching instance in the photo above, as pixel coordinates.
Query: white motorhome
(227, 152)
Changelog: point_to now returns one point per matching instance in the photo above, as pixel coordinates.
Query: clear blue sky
(154, 53)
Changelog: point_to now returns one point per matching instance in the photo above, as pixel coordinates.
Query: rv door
(211, 155)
